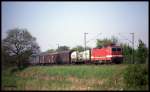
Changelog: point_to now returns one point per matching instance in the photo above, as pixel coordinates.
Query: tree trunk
(19, 63)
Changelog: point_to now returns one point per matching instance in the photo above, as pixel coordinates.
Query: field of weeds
(65, 77)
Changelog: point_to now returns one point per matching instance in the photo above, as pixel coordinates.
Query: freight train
(108, 54)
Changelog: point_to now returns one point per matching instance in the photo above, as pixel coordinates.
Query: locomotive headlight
(108, 55)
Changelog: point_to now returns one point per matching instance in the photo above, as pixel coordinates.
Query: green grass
(66, 77)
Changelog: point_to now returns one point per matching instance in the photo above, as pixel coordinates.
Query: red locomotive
(109, 54)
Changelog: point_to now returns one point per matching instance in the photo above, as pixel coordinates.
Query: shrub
(136, 75)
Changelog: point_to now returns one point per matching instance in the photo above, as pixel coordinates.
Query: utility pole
(85, 40)
(85, 44)
(132, 34)
(132, 47)
(58, 45)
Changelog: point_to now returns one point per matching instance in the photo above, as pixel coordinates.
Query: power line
(94, 37)
(125, 38)
(132, 34)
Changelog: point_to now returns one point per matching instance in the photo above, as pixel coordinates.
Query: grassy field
(66, 77)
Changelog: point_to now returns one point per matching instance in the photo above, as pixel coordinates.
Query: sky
(65, 23)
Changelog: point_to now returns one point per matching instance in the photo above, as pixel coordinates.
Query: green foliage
(105, 42)
(136, 76)
(127, 53)
(114, 39)
(62, 48)
(73, 77)
(51, 50)
(64, 77)
(78, 48)
(7, 60)
(87, 48)
(142, 53)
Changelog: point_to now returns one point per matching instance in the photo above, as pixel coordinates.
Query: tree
(87, 48)
(101, 43)
(51, 50)
(6, 59)
(142, 52)
(20, 44)
(105, 42)
(62, 48)
(127, 52)
(114, 40)
(78, 48)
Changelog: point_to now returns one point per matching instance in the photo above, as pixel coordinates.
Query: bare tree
(21, 44)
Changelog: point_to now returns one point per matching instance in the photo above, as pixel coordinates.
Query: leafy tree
(101, 43)
(105, 42)
(6, 59)
(127, 53)
(51, 50)
(78, 48)
(20, 44)
(114, 40)
(62, 48)
(88, 48)
(142, 52)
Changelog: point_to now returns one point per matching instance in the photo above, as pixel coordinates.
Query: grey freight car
(62, 57)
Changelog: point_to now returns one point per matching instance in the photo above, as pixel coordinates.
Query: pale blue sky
(65, 22)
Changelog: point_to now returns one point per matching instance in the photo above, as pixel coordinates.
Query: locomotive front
(116, 54)
(109, 54)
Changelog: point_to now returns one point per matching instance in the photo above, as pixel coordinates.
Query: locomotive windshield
(116, 49)
(113, 49)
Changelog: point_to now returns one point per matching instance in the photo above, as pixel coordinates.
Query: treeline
(64, 48)
(136, 56)
(19, 45)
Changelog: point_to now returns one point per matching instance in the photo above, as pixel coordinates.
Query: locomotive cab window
(118, 49)
(113, 49)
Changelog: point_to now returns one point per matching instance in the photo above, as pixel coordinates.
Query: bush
(136, 75)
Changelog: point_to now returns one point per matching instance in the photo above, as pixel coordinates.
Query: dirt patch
(77, 84)
(73, 79)
(47, 77)
(84, 84)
